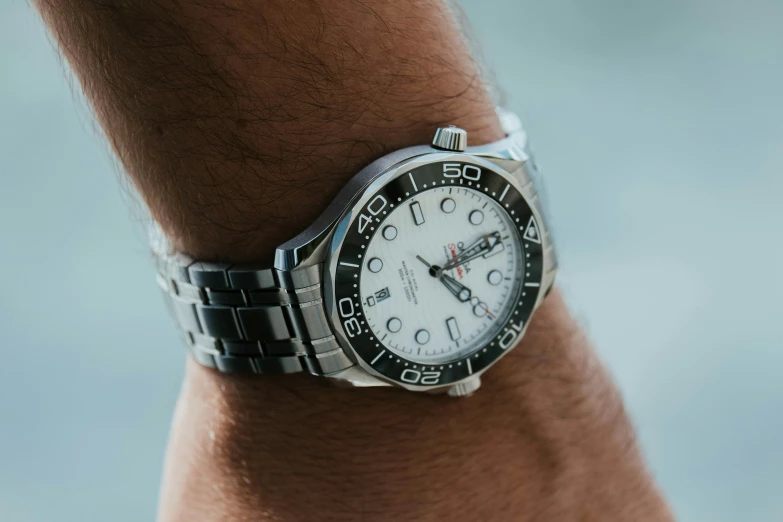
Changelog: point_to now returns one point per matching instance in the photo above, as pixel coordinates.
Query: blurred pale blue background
(660, 128)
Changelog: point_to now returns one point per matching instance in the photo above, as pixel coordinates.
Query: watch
(422, 273)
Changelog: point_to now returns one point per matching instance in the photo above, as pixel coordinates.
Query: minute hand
(479, 248)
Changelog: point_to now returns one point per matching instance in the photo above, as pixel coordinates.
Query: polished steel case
(321, 243)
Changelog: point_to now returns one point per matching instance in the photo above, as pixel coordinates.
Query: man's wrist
(545, 439)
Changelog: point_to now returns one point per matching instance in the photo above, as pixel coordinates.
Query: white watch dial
(442, 277)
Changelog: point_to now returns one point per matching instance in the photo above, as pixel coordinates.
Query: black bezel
(403, 187)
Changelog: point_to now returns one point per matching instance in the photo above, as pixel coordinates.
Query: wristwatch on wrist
(422, 273)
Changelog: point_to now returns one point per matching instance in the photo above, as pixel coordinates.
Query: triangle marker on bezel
(531, 232)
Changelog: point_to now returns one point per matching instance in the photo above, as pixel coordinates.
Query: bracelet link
(251, 319)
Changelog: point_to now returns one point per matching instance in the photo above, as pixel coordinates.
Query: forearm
(238, 122)
(225, 113)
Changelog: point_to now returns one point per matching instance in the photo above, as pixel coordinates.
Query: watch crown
(465, 388)
(450, 138)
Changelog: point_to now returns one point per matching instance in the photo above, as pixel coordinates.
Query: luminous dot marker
(480, 310)
(448, 205)
(422, 337)
(394, 325)
(376, 264)
(476, 217)
(389, 232)
(493, 277)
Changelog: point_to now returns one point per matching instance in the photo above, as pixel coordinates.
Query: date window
(379, 296)
(382, 294)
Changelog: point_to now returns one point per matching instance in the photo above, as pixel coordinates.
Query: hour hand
(459, 290)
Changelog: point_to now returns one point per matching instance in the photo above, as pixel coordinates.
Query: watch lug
(308, 251)
(465, 388)
(311, 246)
(511, 166)
(355, 377)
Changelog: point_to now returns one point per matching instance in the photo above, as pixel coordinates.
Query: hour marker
(377, 357)
(476, 217)
(410, 175)
(394, 325)
(495, 278)
(480, 310)
(349, 264)
(534, 285)
(389, 232)
(503, 194)
(422, 336)
(448, 205)
(375, 265)
(451, 324)
(418, 216)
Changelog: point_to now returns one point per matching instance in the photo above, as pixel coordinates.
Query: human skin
(237, 122)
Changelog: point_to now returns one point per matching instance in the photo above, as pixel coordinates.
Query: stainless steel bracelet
(250, 319)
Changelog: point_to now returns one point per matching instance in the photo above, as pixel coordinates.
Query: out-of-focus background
(660, 128)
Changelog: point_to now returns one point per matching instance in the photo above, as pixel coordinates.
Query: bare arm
(238, 121)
